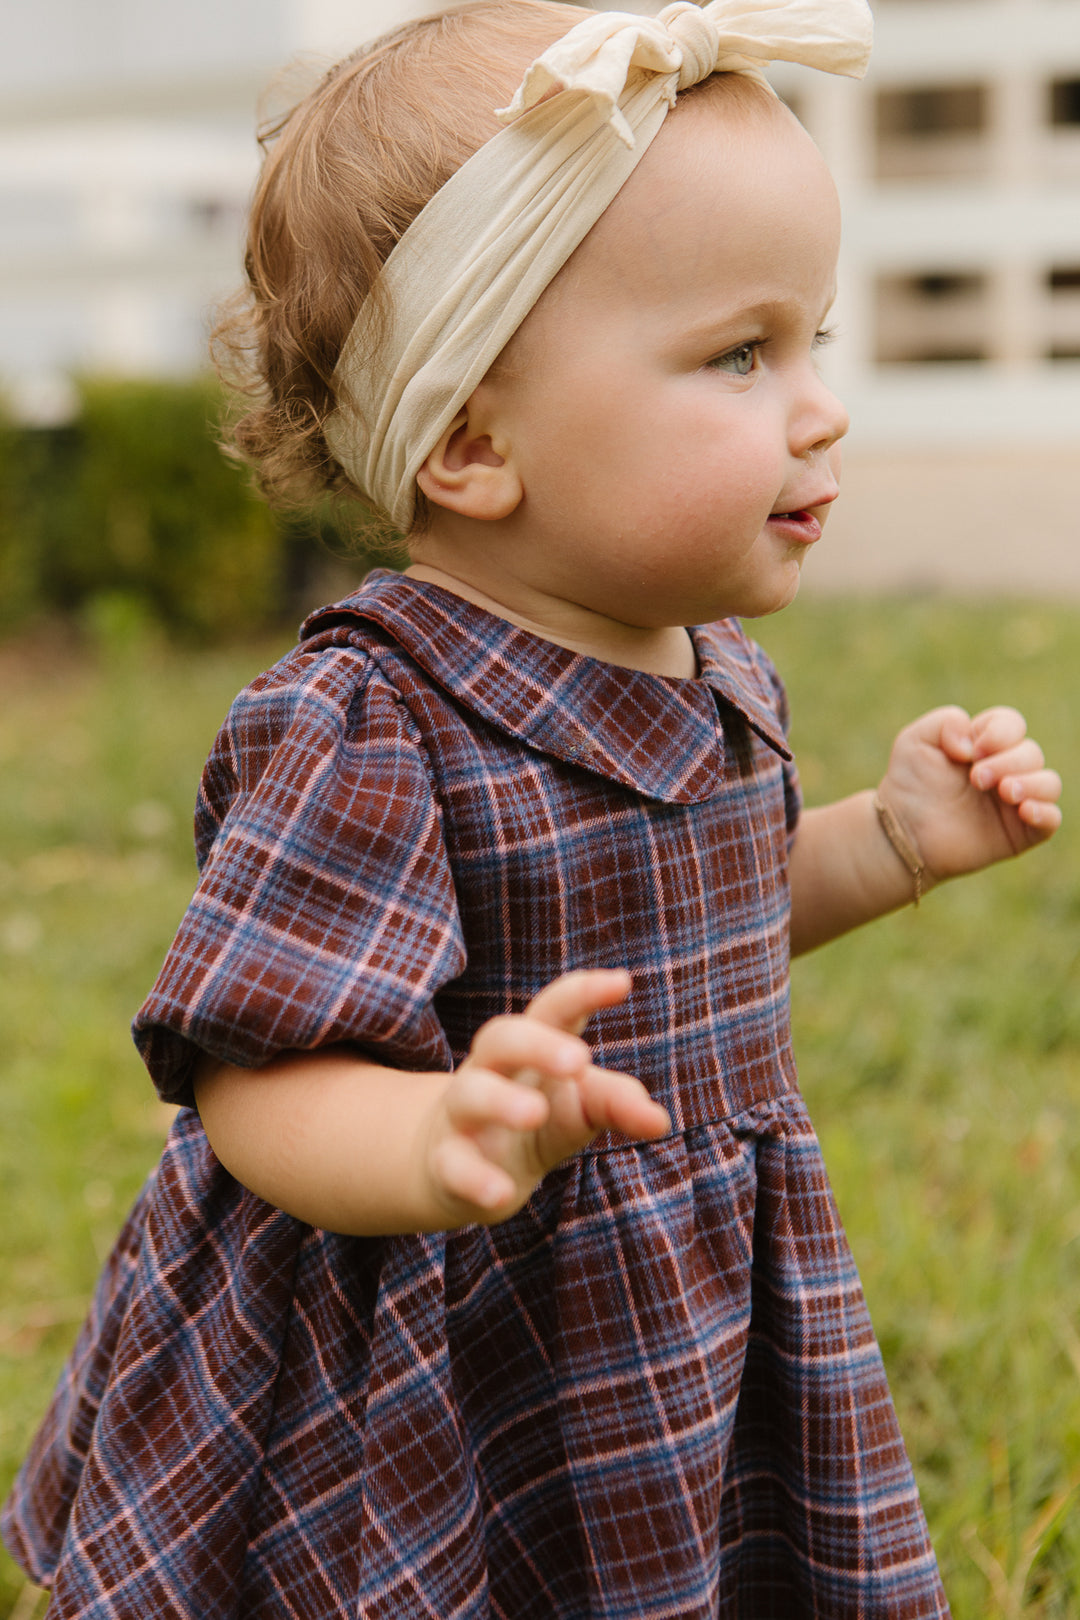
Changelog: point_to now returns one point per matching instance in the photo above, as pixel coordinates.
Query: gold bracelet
(902, 844)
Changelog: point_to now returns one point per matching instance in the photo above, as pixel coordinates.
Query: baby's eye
(826, 335)
(739, 362)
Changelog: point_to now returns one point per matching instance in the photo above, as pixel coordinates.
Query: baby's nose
(821, 422)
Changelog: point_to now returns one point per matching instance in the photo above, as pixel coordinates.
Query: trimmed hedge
(134, 500)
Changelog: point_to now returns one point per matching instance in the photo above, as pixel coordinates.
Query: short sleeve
(325, 910)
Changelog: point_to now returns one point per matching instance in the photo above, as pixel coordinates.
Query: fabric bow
(598, 56)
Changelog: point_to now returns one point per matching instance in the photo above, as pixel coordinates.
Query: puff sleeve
(325, 910)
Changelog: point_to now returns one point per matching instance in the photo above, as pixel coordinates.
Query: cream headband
(476, 259)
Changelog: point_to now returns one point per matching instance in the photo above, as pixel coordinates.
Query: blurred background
(126, 158)
(142, 583)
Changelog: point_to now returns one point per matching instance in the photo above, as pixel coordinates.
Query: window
(1062, 330)
(945, 284)
(933, 132)
(932, 111)
(937, 316)
(1065, 103)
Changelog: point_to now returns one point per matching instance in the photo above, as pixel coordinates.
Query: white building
(126, 156)
(959, 164)
(958, 161)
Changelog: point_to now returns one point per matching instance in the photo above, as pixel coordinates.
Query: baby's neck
(666, 651)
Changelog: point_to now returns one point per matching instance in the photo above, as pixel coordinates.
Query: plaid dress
(655, 1390)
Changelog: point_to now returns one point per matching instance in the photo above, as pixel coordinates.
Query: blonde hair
(344, 174)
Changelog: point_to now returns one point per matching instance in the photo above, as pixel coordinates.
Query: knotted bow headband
(476, 259)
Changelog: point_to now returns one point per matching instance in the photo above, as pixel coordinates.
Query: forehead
(732, 202)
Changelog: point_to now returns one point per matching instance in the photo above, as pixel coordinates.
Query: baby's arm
(349, 1146)
(964, 792)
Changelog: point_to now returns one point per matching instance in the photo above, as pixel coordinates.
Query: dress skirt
(653, 1392)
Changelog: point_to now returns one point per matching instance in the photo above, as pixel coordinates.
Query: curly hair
(344, 174)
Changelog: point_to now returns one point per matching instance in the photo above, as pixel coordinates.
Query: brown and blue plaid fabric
(655, 1391)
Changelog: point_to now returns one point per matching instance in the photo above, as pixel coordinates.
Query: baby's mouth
(800, 524)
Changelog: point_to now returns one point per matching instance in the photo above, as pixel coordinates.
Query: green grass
(99, 758)
(940, 1050)
(940, 1054)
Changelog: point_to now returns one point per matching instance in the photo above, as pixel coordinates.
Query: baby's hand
(528, 1096)
(970, 791)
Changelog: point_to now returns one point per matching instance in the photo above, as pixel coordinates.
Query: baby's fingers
(1035, 787)
(466, 1176)
(478, 1098)
(995, 730)
(570, 1001)
(618, 1102)
(1022, 759)
(1035, 798)
(515, 1044)
(950, 729)
(472, 1155)
(1041, 816)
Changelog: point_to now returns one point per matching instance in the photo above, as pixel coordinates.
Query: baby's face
(676, 446)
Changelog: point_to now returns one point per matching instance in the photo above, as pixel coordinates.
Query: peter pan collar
(658, 735)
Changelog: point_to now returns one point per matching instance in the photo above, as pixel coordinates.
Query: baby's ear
(471, 470)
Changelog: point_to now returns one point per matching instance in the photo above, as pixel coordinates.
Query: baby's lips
(809, 508)
(821, 501)
(803, 525)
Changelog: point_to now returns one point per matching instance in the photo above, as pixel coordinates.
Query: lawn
(940, 1051)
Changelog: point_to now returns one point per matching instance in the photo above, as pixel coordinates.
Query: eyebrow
(748, 315)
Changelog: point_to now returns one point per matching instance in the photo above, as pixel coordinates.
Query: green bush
(19, 560)
(135, 502)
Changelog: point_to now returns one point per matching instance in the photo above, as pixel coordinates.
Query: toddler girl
(491, 1267)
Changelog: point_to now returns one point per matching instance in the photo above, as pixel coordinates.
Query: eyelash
(825, 335)
(751, 349)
